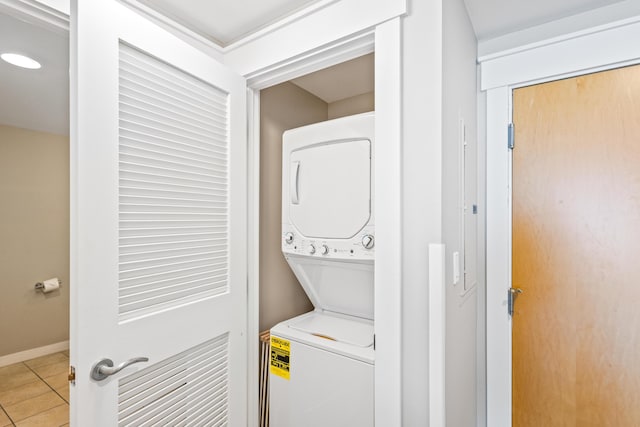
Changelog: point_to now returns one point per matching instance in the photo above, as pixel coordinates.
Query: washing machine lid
(329, 191)
(353, 331)
(337, 286)
(292, 329)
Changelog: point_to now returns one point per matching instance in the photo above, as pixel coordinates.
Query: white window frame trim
(596, 49)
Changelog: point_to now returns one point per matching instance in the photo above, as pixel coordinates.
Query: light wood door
(576, 251)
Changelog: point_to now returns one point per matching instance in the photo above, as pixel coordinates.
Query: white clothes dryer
(322, 362)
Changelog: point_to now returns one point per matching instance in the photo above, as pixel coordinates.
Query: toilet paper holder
(39, 286)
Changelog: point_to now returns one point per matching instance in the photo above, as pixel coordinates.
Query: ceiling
(225, 21)
(34, 99)
(39, 99)
(492, 18)
(341, 81)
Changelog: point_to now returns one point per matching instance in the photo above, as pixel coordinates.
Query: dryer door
(330, 188)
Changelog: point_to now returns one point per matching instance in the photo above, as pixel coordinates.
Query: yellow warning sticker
(280, 357)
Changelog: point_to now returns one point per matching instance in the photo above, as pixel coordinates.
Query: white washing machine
(322, 363)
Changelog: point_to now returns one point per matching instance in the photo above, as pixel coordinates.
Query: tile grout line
(8, 417)
(41, 412)
(48, 385)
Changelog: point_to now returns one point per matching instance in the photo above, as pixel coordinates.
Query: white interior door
(158, 226)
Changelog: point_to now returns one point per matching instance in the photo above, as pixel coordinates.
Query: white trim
(326, 56)
(437, 304)
(38, 13)
(179, 30)
(388, 203)
(21, 356)
(498, 259)
(591, 51)
(253, 253)
(270, 28)
(591, 21)
(606, 46)
(388, 226)
(309, 32)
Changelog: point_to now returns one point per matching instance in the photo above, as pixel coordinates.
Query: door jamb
(501, 73)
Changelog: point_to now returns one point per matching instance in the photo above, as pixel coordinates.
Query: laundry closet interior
(338, 91)
(316, 190)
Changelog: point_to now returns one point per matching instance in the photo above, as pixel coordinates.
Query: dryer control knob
(288, 238)
(324, 249)
(367, 241)
(311, 249)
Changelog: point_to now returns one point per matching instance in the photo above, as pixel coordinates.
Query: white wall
(421, 195)
(354, 105)
(459, 103)
(481, 362)
(439, 86)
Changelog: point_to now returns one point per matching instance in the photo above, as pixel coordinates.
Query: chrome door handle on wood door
(511, 299)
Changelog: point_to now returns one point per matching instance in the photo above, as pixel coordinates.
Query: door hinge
(512, 294)
(374, 341)
(72, 375)
(512, 136)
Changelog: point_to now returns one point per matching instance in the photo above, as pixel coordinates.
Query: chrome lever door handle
(105, 368)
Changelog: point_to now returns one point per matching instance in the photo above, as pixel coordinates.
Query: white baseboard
(21, 356)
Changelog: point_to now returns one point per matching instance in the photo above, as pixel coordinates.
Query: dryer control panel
(360, 247)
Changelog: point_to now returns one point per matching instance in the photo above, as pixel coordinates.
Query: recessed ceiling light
(20, 61)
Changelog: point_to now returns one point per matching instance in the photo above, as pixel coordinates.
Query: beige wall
(34, 231)
(282, 107)
(349, 106)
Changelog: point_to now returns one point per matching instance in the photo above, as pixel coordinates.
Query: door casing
(501, 73)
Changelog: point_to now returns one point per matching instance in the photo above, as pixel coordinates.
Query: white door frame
(385, 39)
(596, 49)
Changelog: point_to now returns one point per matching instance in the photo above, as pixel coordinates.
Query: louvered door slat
(175, 244)
(153, 92)
(136, 136)
(154, 280)
(168, 80)
(128, 187)
(149, 80)
(168, 103)
(185, 137)
(173, 182)
(171, 125)
(145, 102)
(137, 148)
(179, 389)
(159, 179)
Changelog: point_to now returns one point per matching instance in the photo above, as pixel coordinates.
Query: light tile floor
(35, 393)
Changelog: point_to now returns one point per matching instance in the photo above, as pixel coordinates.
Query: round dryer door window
(331, 197)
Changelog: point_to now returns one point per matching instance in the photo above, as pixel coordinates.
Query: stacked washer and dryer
(322, 362)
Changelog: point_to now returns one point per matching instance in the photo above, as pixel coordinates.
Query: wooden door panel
(576, 251)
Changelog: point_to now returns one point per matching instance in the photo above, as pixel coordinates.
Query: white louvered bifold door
(159, 228)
